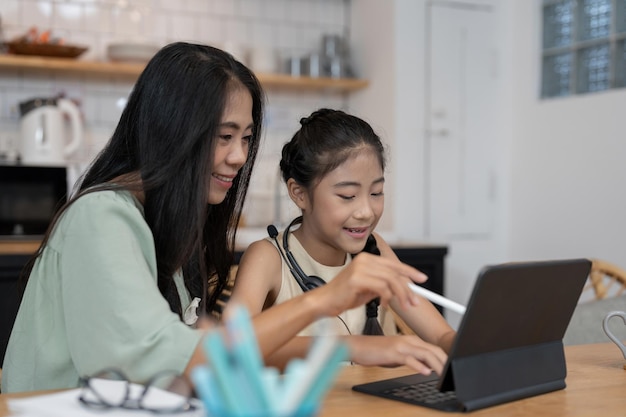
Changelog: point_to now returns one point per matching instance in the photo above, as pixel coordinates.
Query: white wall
(390, 43)
(373, 50)
(561, 170)
(568, 191)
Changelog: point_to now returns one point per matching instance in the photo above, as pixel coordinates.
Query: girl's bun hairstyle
(326, 139)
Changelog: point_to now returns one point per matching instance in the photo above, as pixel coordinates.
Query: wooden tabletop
(596, 386)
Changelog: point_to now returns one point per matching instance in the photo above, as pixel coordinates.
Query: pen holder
(297, 413)
(208, 391)
(236, 383)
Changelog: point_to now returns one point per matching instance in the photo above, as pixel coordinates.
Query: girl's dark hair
(166, 134)
(326, 139)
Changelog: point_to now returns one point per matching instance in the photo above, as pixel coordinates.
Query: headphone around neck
(306, 282)
(309, 282)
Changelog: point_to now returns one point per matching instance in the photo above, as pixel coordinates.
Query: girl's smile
(357, 233)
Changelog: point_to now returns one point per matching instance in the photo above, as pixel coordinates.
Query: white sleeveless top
(353, 319)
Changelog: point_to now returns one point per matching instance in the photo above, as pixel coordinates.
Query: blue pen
(301, 381)
(325, 377)
(272, 381)
(222, 365)
(207, 389)
(248, 360)
(291, 386)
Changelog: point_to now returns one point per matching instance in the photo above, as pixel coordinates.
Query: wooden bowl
(45, 49)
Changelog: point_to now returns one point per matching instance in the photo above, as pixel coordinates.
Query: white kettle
(45, 139)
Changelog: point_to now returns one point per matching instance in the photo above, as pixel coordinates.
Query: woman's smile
(223, 180)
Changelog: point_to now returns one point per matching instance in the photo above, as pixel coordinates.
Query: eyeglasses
(166, 392)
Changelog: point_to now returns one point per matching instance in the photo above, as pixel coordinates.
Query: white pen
(437, 299)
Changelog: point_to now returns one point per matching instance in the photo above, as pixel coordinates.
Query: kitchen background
(264, 34)
(544, 179)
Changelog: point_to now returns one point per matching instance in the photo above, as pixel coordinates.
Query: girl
(150, 232)
(333, 167)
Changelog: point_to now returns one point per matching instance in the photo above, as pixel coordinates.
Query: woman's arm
(108, 291)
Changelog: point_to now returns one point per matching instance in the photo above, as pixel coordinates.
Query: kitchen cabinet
(13, 256)
(429, 260)
(10, 270)
(132, 70)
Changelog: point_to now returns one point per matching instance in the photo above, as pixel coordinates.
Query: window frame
(575, 47)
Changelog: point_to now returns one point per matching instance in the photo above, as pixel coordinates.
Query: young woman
(334, 171)
(151, 230)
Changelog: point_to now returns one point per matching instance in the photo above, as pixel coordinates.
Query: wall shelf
(132, 70)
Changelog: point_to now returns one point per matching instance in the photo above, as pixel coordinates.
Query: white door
(460, 107)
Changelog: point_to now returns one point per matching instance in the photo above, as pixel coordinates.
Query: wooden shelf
(19, 247)
(69, 65)
(287, 82)
(132, 70)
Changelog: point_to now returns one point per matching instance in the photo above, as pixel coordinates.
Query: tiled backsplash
(287, 27)
(291, 26)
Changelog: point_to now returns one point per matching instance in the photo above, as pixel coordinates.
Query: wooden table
(596, 386)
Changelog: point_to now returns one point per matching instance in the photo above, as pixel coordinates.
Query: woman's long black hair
(166, 135)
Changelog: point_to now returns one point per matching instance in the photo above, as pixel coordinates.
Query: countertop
(247, 235)
(28, 244)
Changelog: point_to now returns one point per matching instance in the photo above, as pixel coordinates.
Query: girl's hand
(367, 277)
(391, 351)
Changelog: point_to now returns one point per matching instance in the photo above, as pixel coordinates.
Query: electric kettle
(45, 137)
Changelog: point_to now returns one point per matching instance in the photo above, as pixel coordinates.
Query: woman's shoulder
(106, 198)
(103, 201)
(102, 209)
(102, 219)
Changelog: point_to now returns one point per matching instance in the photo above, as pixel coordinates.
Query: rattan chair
(606, 279)
(603, 293)
(224, 297)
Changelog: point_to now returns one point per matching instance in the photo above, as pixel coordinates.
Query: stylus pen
(437, 299)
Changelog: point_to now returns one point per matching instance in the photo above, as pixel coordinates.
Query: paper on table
(66, 404)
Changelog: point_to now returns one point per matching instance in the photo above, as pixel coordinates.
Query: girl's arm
(423, 318)
(364, 350)
(258, 282)
(408, 350)
(258, 278)
(366, 277)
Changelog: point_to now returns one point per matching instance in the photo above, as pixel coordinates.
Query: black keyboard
(414, 389)
(424, 392)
